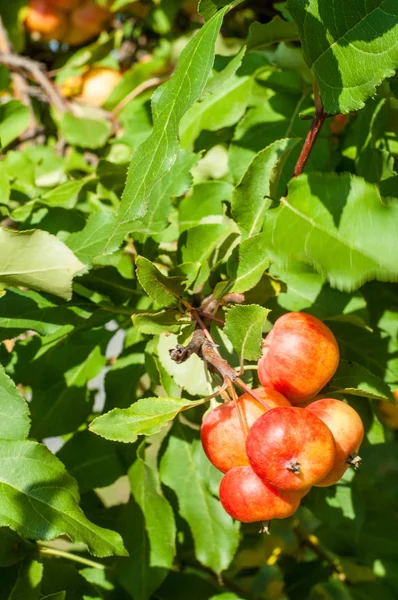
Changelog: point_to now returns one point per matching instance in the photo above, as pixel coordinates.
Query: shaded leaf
(163, 290)
(40, 500)
(215, 534)
(14, 412)
(277, 30)
(350, 48)
(27, 585)
(37, 260)
(351, 378)
(158, 514)
(339, 224)
(14, 119)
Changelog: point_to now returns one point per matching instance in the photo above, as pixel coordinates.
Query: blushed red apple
(300, 356)
(249, 499)
(347, 428)
(221, 432)
(290, 448)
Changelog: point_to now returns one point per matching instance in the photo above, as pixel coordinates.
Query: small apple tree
(242, 165)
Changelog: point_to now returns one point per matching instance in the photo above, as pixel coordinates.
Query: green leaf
(85, 132)
(215, 534)
(65, 402)
(163, 290)
(14, 119)
(277, 30)
(247, 264)
(351, 378)
(145, 417)
(219, 109)
(39, 500)
(350, 48)
(37, 260)
(93, 461)
(159, 322)
(208, 8)
(14, 412)
(174, 183)
(22, 310)
(249, 202)
(339, 224)
(204, 204)
(12, 548)
(27, 585)
(331, 590)
(190, 375)
(244, 327)
(158, 514)
(64, 195)
(56, 596)
(156, 156)
(92, 240)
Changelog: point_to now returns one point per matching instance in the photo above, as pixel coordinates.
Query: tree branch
(313, 133)
(37, 72)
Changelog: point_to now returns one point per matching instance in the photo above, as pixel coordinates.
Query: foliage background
(118, 222)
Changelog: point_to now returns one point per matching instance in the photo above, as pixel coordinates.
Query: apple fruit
(65, 5)
(44, 21)
(97, 84)
(221, 433)
(347, 429)
(388, 411)
(247, 498)
(86, 21)
(290, 448)
(300, 356)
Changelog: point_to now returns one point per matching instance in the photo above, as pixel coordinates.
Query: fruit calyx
(354, 460)
(293, 465)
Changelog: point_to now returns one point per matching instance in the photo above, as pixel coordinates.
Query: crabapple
(347, 429)
(290, 448)
(247, 498)
(221, 432)
(388, 411)
(45, 21)
(300, 356)
(97, 84)
(87, 21)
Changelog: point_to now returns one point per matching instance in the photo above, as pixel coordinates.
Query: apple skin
(65, 5)
(97, 84)
(290, 448)
(45, 21)
(347, 429)
(222, 438)
(300, 356)
(388, 411)
(248, 499)
(86, 21)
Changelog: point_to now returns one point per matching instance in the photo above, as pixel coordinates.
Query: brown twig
(313, 133)
(37, 71)
(145, 85)
(312, 543)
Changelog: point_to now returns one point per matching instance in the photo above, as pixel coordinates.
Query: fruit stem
(47, 551)
(242, 421)
(293, 465)
(312, 135)
(251, 393)
(265, 525)
(354, 460)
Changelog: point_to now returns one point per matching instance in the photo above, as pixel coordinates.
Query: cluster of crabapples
(274, 449)
(71, 22)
